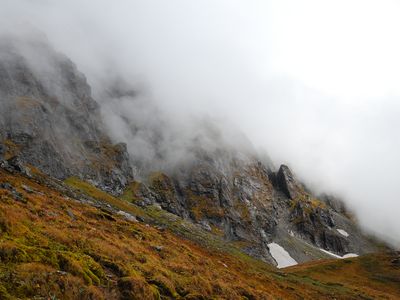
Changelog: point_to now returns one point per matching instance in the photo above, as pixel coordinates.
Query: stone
(4, 164)
(2, 150)
(15, 164)
(6, 186)
(27, 189)
(159, 248)
(71, 214)
(140, 219)
(19, 197)
(62, 273)
(15, 194)
(396, 262)
(127, 216)
(287, 182)
(205, 225)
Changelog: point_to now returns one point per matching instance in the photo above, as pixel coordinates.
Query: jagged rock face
(49, 119)
(287, 183)
(249, 203)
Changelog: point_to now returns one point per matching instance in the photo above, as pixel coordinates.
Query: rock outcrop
(50, 121)
(287, 183)
(247, 202)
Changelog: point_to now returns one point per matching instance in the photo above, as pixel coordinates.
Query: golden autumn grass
(53, 247)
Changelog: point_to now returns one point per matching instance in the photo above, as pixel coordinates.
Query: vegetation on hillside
(56, 246)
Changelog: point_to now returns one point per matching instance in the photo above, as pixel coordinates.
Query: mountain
(60, 242)
(49, 119)
(79, 225)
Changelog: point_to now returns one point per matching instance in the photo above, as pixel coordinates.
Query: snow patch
(330, 253)
(343, 232)
(348, 255)
(281, 256)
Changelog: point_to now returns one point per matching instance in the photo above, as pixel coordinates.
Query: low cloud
(313, 85)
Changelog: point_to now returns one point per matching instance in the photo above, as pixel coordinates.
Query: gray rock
(71, 215)
(249, 202)
(205, 225)
(127, 216)
(2, 150)
(19, 197)
(15, 164)
(27, 189)
(7, 186)
(287, 183)
(50, 120)
(159, 248)
(15, 194)
(140, 219)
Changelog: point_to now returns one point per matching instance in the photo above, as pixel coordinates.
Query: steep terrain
(75, 224)
(239, 198)
(58, 242)
(49, 120)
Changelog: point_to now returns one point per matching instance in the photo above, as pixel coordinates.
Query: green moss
(95, 193)
(162, 185)
(81, 265)
(4, 295)
(164, 286)
(134, 287)
(155, 292)
(243, 210)
(94, 271)
(12, 253)
(88, 189)
(202, 206)
(131, 192)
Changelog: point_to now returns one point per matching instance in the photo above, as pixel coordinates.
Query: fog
(315, 84)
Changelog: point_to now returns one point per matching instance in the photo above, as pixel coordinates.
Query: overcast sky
(316, 84)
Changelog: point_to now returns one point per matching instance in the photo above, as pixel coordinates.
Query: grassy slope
(375, 276)
(53, 247)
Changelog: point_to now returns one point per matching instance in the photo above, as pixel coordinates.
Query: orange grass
(44, 252)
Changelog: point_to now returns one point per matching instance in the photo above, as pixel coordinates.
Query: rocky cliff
(238, 197)
(50, 122)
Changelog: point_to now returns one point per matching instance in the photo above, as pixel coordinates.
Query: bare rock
(287, 182)
(49, 119)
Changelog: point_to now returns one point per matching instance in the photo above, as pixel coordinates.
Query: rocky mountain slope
(49, 120)
(241, 199)
(60, 166)
(74, 241)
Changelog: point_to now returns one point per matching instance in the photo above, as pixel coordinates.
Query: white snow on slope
(343, 232)
(281, 256)
(348, 255)
(330, 253)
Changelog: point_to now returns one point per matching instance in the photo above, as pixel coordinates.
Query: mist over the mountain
(319, 92)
